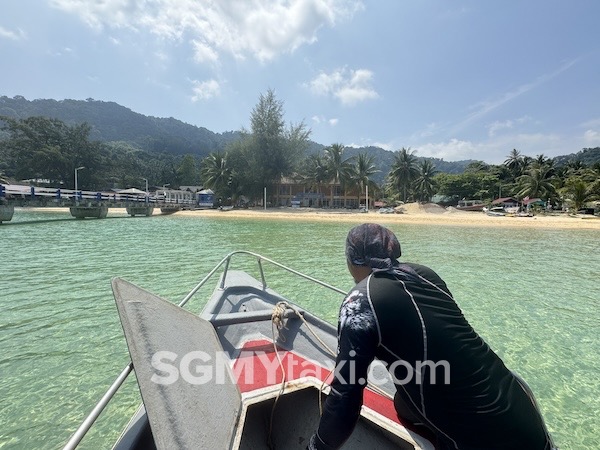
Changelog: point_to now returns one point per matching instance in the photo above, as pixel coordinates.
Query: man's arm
(357, 342)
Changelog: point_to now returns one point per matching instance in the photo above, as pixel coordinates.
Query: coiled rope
(277, 324)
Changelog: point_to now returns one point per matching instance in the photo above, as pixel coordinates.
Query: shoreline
(417, 214)
(443, 218)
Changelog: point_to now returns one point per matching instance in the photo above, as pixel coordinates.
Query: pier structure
(84, 204)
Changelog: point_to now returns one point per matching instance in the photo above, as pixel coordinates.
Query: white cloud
(321, 119)
(385, 145)
(371, 143)
(591, 135)
(97, 14)
(204, 52)
(12, 35)
(494, 151)
(259, 28)
(325, 84)
(591, 138)
(66, 51)
(499, 126)
(204, 90)
(348, 86)
(453, 150)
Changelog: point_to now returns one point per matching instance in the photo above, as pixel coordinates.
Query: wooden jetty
(90, 204)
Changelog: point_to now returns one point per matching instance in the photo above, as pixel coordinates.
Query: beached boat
(261, 367)
(495, 211)
(470, 205)
(501, 210)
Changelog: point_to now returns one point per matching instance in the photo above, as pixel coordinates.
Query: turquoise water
(532, 294)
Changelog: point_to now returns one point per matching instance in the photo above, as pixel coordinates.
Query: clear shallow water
(532, 294)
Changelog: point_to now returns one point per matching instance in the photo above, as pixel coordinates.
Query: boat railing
(87, 424)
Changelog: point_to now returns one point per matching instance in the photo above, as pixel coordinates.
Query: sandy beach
(413, 214)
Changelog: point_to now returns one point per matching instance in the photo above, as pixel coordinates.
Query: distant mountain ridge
(112, 122)
(587, 156)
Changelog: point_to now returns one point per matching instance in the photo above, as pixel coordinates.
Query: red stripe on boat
(257, 367)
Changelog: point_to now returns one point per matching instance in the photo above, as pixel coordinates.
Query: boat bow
(177, 405)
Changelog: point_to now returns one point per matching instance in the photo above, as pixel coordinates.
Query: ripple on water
(533, 295)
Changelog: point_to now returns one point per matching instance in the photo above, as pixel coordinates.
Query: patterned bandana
(373, 246)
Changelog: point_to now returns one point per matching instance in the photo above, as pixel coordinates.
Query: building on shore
(290, 192)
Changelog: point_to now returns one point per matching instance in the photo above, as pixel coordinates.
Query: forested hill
(588, 156)
(112, 122)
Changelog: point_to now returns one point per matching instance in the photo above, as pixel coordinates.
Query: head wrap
(373, 246)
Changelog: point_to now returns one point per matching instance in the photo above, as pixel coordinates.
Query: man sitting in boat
(447, 378)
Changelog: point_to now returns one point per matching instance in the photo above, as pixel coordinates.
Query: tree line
(48, 150)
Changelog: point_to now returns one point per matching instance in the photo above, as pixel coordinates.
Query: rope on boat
(277, 319)
(278, 316)
(277, 324)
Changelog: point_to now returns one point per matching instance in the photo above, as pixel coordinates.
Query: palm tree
(540, 161)
(424, 184)
(579, 192)
(592, 176)
(515, 163)
(363, 169)
(215, 173)
(315, 173)
(403, 171)
(537, 182)
(338, 168)
(575, 167)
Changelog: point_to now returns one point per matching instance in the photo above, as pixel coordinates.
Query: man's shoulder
(356, 312)
(358, 293)
(426, 273)
(357, 298)
(419, 269)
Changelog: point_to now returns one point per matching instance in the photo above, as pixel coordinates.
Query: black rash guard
(466, 396)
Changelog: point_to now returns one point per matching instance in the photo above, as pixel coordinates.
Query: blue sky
(450, 79)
